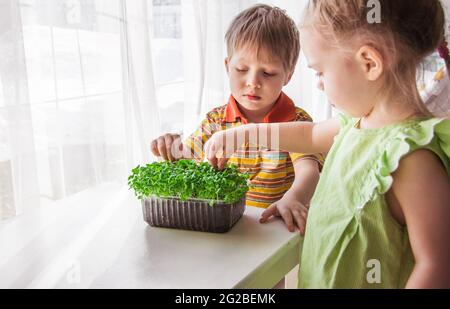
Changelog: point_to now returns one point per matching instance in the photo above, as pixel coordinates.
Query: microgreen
(186, 179)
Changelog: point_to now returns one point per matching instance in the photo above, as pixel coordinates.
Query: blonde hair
(265, 27)
(409, 31)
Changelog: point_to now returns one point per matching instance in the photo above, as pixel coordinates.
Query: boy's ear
(289, 77)
(371, 62)
(227, 65)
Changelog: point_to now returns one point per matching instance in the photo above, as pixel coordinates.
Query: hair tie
(444, 53)
(443, 50)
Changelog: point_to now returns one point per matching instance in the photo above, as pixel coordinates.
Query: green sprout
(186, 179)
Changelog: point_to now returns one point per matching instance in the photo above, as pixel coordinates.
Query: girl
(380, 217)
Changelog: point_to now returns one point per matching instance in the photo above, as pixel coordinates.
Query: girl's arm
(297, 137)
(422, 189)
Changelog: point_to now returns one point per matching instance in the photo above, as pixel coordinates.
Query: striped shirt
(271, 172)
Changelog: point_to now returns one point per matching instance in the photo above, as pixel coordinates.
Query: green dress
(351, 240)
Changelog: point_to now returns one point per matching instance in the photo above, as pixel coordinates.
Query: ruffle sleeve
(433, 134)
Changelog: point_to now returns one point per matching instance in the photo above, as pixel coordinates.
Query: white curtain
(18, 182)
(140, 102)
(77, 97)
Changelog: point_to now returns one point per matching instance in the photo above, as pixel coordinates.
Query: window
(74, 63)
(74, 67)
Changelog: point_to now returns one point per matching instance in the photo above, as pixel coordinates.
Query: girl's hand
(293, 212)
(216, 151)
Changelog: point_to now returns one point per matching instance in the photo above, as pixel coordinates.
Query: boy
(263, 49)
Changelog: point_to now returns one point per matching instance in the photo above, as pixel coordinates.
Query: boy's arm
(307, 176)
(293, 207)
(422, 189)
(298, 137)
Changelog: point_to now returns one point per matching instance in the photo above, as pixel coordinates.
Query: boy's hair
(409, 30)
(265, 27)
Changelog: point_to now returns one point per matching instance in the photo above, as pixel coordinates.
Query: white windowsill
(98, 239)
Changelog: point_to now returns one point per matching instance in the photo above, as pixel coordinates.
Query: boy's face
(256, 82)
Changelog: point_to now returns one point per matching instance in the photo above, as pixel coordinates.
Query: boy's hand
(293, 212)
(164, 146)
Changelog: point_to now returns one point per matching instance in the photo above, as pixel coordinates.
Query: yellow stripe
(263, 164)
(243, 161)
(274, 190)
(264, 175)
(250, 203)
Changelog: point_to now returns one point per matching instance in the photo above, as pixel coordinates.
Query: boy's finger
(288, 219)
(300, 221)
(304, 214)
(162, 148)
(268, 213)
(168, 141)
(154, 148)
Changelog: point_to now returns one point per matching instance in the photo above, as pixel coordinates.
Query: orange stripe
(278, 182)
(265, 198)
(289, 168)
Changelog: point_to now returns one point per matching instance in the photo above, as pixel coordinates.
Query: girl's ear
(227, 65)
(371, 62)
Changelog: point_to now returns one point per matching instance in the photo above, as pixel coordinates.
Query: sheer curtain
(140, 99)
(18, 182)
(77, 97)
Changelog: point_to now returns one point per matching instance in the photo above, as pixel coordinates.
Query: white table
(110, 246)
